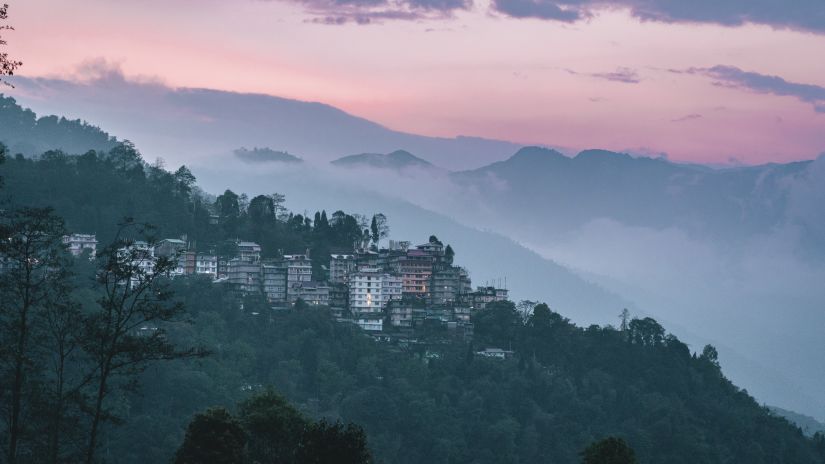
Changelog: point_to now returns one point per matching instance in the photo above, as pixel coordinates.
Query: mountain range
(730, 256)
(184, 124)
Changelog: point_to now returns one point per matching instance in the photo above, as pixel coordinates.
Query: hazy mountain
(265, 155)
(732, 254)
(184, 125)
(723, 256)
(642, 192)
(397, 160)
(808, 424)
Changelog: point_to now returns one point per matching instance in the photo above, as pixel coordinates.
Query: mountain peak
(535, 152)
(398, 159)
(600, 155)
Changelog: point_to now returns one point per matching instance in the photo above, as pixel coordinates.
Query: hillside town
(399, 288)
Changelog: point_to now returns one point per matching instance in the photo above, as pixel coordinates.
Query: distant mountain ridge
(645, 192)
(186, 124)
(398, 159)
(265, 155)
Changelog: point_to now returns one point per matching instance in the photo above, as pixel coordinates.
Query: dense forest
(23, 132)
(434, 401)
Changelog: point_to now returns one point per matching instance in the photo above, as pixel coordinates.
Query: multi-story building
(244, 275)
(370, 289)
(400, 313)
(480, 298)
(432, 248)
(340, 267)
(249, 251)
(298, 272)
(415, 268)
(170, 247)
(313, 293)
(338, 298)
(446, 284)
(140, 255)
(366, 259)
(273, 281)
(371, 322)
(206, 264)
(461, 313)
(78, 243)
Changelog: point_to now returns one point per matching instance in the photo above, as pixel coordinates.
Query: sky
(721, 81)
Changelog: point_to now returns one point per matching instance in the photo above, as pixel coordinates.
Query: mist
(732, 257)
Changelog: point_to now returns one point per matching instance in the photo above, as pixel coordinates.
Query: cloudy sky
(707, 80)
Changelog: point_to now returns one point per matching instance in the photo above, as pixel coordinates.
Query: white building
(249, 251)
(140, 255)
(206, 264)
(370, 322)
(78, 243)
(370, 290)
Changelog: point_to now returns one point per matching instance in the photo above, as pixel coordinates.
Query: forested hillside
(432, 401)
(23, 132)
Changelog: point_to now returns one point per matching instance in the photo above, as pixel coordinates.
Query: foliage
(213, 436)
(610, 450)
(430, 401)
(7, 65)
(29, 135)
(275, 432)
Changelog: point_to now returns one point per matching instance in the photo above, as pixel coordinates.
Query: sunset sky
(708, 81)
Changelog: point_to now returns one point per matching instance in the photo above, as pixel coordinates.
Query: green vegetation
(434, 401)
(23, 132)
(611, 450)
(270, 430)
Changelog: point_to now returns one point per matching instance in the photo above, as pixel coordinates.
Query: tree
(374, 230)
(7, 65)
(274, 428)
(449, 254)
(624, 316)
(324, 442)
(646, 332)
(610, 450)
(126, 331)
(379, 228)
(33, 283)
(542, 317)
(213, 436)
(710, 354)
(184, 180)
(497, 323)
(228, 205)
(261, 209)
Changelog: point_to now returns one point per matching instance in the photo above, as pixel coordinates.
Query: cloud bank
(802, 15)
(806, 15)
(336, 12)
(730, 76)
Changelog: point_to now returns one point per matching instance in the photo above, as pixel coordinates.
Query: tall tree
(624, 317)
(34, 279)
(449, 254)
(127, 332)
(7, 65)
